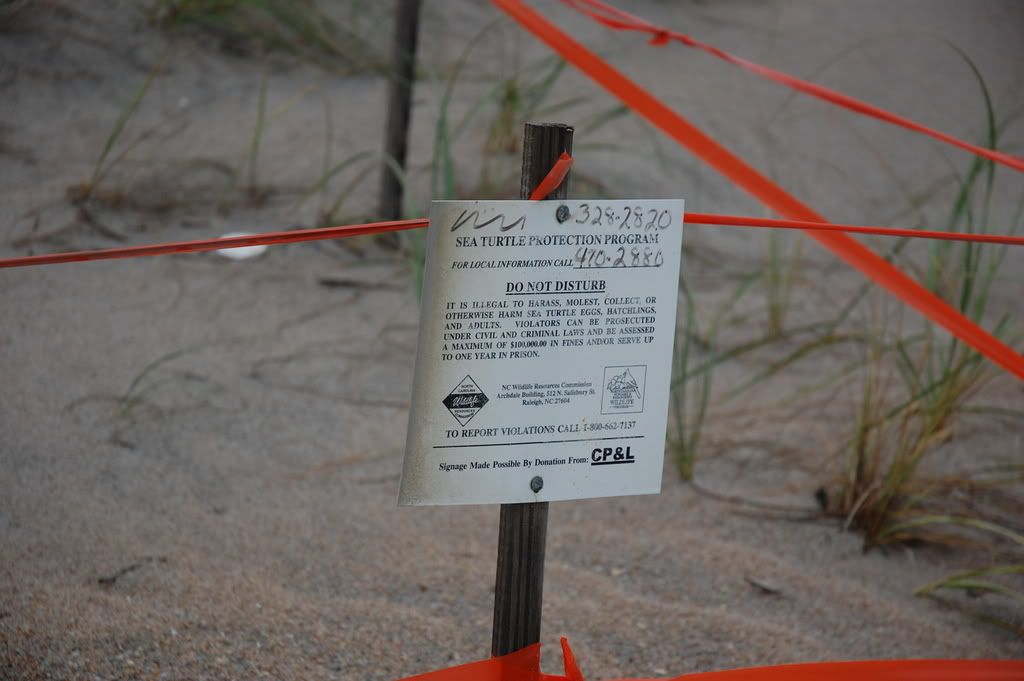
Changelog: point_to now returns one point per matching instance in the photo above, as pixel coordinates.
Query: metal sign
(545, 351)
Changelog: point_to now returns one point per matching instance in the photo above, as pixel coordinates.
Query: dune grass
(297, 27)
(914, 385)
(85, 190)
(936, 376)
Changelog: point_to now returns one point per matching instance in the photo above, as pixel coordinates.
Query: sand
(199, 458)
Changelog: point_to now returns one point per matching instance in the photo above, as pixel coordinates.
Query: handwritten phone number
(635, 217)
(587, 257)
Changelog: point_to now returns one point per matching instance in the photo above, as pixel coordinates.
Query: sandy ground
(199, 458)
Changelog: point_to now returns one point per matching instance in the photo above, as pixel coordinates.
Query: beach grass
(297, 27)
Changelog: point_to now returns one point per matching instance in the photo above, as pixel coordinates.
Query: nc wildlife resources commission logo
(465, 400)
(624, 389)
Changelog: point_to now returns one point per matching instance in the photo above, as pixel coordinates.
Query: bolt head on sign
(545, 352)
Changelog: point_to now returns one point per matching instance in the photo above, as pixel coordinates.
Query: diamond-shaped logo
(465, 400)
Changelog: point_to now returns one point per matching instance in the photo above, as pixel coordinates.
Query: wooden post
(407, 15)
(522, 530)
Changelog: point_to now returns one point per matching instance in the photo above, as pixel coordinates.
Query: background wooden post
(522, 530)
(396, 143)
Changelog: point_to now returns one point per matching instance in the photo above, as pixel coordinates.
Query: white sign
(545, 351)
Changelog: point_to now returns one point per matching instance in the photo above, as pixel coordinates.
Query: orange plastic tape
(524, 665)
(553, 178)
(556, 176)
(772, 223)
(197, 246)
(550, 182)
(557, 173)
(734, 168)
(618, 20)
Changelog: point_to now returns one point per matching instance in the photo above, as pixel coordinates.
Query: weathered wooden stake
(519, 585)
(407, 16)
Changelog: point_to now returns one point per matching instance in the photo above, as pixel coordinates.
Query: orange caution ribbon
(324, 233)
(845, 247)
(524, 665)
(553, 178)
(806, 225)
(200, 245)
(618, 20)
